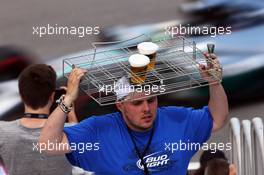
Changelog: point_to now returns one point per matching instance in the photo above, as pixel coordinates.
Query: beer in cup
(139, 64)
(150, 50)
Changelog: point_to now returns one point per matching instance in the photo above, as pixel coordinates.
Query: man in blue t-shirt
(139, 139)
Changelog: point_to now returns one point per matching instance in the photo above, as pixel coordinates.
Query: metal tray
(177, 66)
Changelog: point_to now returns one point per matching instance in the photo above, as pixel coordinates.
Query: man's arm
(218, 106)
(218, 103)
(52, 132)
(72, 118)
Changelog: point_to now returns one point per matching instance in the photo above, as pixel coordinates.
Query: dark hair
(36, 84)
(206, 157)
(209, 155)
(217, 167)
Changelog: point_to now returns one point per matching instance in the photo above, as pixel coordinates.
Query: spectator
(18, 139)
(206, 157)
(219, 167)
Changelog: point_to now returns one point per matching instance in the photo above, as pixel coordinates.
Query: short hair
(207, 156)
(217, 167)
(36, 84)
(210, 155)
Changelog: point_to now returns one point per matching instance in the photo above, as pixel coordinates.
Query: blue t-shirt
(102, 144)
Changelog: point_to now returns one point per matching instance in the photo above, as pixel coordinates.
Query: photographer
(19, 138)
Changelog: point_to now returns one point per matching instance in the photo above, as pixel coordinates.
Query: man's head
(207, 156)
(138, 102)
(139, 114)
(36, 85)
(210, 155)
(217, 167)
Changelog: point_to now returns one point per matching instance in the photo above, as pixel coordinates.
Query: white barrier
(248, 146)
(236, 143)
(246, 140)
(258, 146)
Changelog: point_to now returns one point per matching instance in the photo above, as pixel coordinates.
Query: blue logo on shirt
(155, 161)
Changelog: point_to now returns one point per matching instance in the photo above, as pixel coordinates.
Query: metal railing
(236, 143)
(258, 146)
(248, 146)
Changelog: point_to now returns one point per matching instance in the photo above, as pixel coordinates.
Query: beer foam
(147, 48)
(138, 60)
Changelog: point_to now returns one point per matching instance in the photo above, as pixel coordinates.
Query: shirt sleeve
(201, 124)
(80, 137)
(196, 124)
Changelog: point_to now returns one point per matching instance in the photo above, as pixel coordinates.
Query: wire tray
(176, 68)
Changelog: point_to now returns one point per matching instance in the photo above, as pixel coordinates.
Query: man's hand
(73, 85)
(212, 69)
(218, 104)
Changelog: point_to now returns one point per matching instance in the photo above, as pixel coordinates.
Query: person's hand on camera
(73, 85)
(213, 67)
